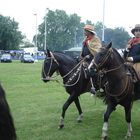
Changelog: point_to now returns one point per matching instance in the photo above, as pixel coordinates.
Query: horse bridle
(47, 77)
(105, 58)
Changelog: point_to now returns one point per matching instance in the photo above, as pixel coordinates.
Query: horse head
(50, 65)
(56, 62)
(107, 58)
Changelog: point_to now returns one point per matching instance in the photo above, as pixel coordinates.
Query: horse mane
(118, 55)
(66, 58)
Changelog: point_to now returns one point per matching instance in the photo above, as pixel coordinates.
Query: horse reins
(75, 74)
(52, 58)
(126, 86)
(104, 59)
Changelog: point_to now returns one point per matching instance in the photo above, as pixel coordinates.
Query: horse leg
(128, 120)
(71, 98)
(77, 103)
(110, 109)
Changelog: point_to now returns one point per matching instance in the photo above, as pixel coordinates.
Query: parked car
(27, 58)
(6, 58)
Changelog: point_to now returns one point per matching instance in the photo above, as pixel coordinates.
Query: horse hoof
(79, 121)
(104, 138)
(60, 126)
(126, 137)
(92, 91)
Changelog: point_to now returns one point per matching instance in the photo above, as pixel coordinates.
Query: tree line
(63, 31)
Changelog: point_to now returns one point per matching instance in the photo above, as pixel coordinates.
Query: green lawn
(36, 108)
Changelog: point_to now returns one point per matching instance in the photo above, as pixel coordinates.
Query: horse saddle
(136, 66)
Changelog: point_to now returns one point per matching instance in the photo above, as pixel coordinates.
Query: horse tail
(7, 128)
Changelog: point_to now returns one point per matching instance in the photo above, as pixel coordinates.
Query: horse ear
(109, 45)
(47, 53)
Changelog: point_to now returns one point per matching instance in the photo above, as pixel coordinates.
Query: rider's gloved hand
(87, 57)
(127, 49)
(130, 59)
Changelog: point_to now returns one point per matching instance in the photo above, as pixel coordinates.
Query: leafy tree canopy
(10, 36)
(65, 31)
(62, 30)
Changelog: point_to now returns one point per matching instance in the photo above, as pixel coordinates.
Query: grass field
(36, 108)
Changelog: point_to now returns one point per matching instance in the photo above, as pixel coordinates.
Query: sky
(117, 13)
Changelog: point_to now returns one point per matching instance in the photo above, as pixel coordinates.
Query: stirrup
(128, 73)
(101, 90)
(93, 91)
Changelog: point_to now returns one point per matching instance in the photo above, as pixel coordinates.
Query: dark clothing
(133, 49)
(85, 51)
(135, 53)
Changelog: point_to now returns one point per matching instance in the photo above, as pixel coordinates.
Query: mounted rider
(91, 45)
(132, 51)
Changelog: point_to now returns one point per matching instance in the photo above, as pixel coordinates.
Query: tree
(62, 30)
(120, 37)
(26, 44)
(10, 36)
(65, 31)
(99, 29)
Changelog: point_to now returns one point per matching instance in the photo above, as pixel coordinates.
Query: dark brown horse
(75, 79)
(7, 128)
(120, 88)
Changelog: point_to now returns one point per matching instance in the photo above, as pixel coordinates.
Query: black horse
(75, 79)
(120, 88)
(7, 128)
